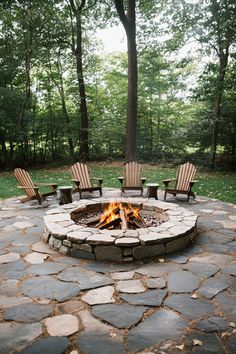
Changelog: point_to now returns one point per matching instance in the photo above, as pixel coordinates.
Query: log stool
(152, 190)
(65, 195)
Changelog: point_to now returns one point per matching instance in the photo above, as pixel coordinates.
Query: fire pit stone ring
(178, 231)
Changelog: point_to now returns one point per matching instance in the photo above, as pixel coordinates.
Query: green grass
(214, 185)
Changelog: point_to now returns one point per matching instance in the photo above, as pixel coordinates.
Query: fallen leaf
(197, 342)
(232, 324)
(195, 296)
(161, 260)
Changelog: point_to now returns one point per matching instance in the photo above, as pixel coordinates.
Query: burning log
(124, 225)
(109, 224)
(119, 218)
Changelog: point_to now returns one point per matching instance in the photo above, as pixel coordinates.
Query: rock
(153, 283)
(9, 301)
(35, 258)
(9, 257)
(212, 287)
(122, 275)
(27, 312)
(62, 325)
(47, 345)
(188, 307)
(17, 335)
(130, 286)
(120, 316)
(102, 295)
(213, 324)
(182, 282)
(47, 286)
(98, 338)
(149, 298)
(153, 330)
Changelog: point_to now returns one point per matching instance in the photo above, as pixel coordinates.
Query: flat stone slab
(122, 275)
(47, 345)
(227, 303)
(156, 283)
(14, 270)
(157, 269)
(46, 268)
(213, 324)
(49, 287)
(86, 279)
(160, 326)
(231, 269)
(9, 301)
(203, 270)
(188, 307)
(9, 257)
(212, 258)
(149, 298)
(182, 282)
(17, 335)
(98, 338)
(210, 344)
(102, 295)
(9, 287)
(34, 258)
(27, 312)
(70, 306)
(118, 315)
(42, 247)
(22, 225)
(130, 286)
(212, 286)
(62, 325)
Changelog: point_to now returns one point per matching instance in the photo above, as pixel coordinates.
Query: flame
(109, 213)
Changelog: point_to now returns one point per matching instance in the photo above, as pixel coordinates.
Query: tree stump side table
(152, 190)
(65, 195)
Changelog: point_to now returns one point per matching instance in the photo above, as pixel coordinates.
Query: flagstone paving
(50, 303)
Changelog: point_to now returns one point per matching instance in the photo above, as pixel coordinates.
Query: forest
(170, 98)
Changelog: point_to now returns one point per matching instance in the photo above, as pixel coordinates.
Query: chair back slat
(24, 179)
(80, 172)
(132, 173)
(185, 174)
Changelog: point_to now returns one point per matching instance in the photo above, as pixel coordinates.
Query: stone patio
(177, 303)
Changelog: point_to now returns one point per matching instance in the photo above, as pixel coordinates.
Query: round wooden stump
(65, 195)
(152, 190)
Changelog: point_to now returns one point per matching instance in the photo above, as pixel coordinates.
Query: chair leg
(165, 195)
(100, 191)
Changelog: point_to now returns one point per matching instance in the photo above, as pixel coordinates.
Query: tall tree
(76, 9)
(128, 20)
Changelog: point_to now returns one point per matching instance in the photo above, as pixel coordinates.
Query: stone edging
(62, 233)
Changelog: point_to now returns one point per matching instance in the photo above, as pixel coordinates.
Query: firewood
(110, 224)
(93, 221)
(124, 225)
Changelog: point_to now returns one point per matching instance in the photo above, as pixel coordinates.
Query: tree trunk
(61, 91)
(129, 23)
(223, 56)
(83, 103)
(4, 154)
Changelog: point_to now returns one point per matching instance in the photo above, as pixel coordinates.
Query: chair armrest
(191, 183)
(121, 179)
(76, 182)
(46, 184)
(27, 187)
(98, 180)
(167, 181)
(143, 180)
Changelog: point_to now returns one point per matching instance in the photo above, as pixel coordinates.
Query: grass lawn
(214, 185)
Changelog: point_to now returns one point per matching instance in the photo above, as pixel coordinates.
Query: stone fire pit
(176, 233)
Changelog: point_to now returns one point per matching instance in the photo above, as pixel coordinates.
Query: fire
(118, 211)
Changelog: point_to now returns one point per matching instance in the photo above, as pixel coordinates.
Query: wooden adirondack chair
(184, 181)
(82, 179)
(132, 179)
(32, 189)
